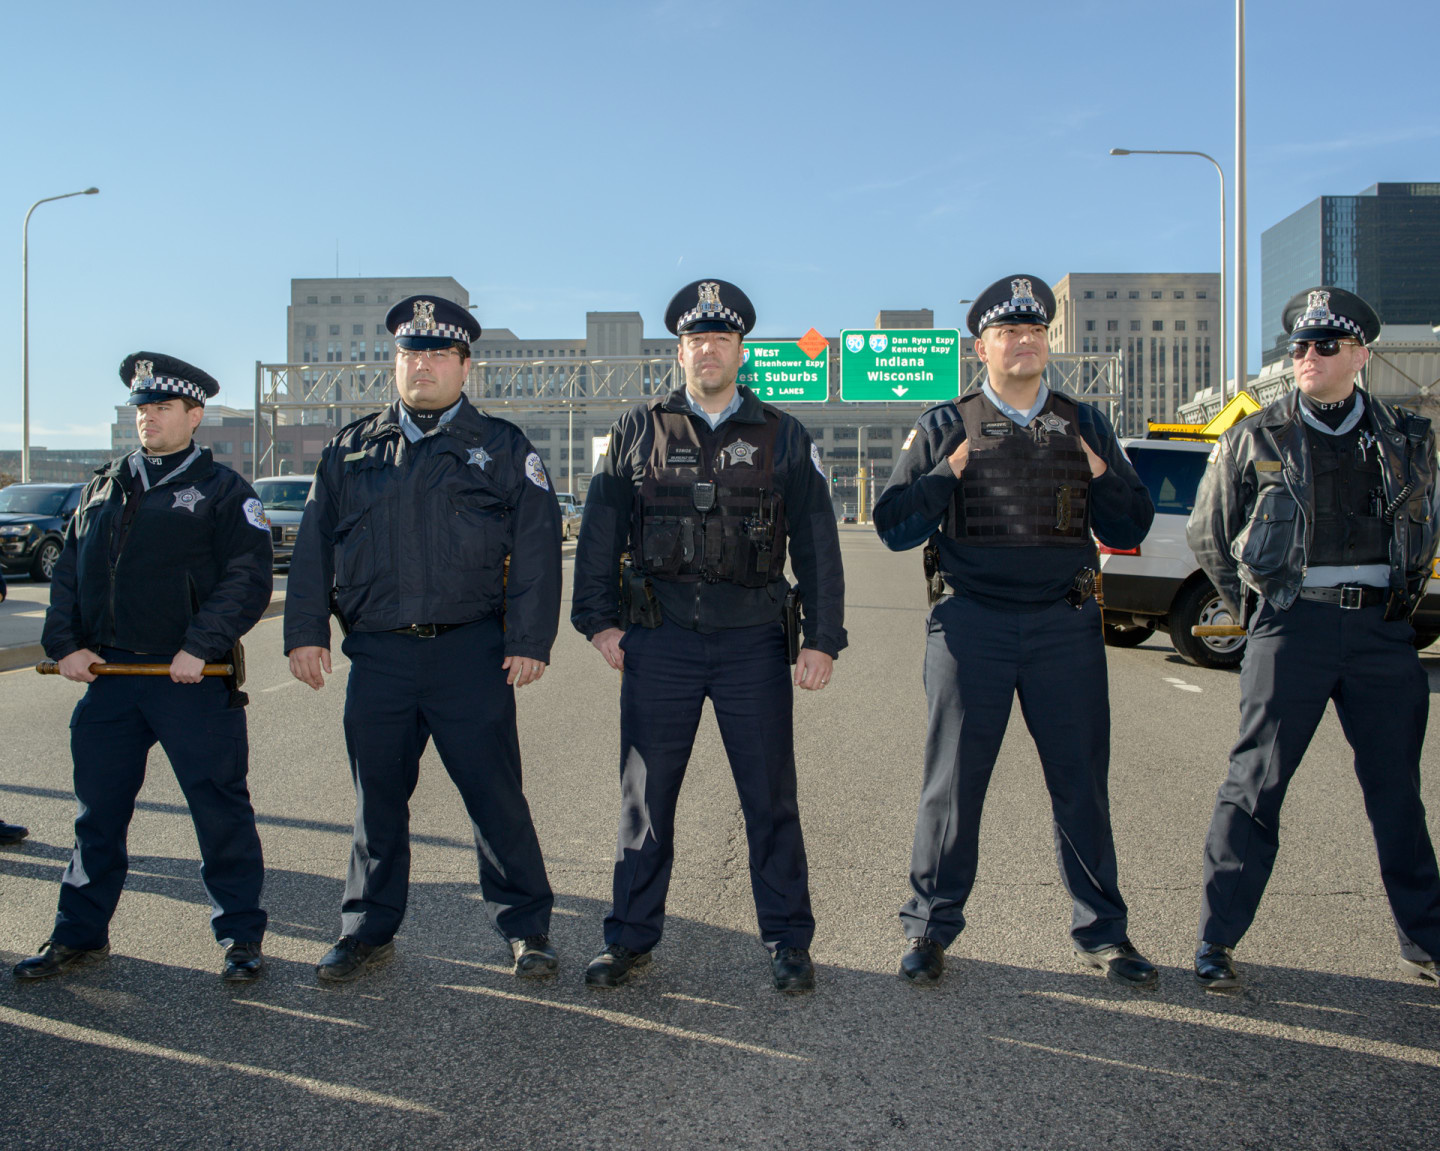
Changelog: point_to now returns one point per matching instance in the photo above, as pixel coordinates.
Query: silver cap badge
(144, 372)
(424, 319)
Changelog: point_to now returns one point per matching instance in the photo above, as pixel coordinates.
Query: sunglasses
(1330, 347)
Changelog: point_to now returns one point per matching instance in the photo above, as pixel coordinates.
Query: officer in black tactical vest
(1316, 520)
(708, 490)
(433, 536)
(167, 560)
(1007, 484)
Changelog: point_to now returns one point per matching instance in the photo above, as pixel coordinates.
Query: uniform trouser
(669, 671)
(114, 726)
(1296, 661)
(404, 690)
(976, 661)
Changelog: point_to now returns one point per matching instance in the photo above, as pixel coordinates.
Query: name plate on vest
(997, 428)
(682, 456)
(1269, 466)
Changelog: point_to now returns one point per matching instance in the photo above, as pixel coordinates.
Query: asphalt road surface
(1329, 1046)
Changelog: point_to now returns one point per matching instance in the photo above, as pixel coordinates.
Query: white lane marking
(29, 615)
(95, 1038)
(702, 1002)
(1181, 685)
(302, 1014)
(279, 686)
(1110, 1062)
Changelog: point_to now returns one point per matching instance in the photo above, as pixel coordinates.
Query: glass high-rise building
(1383, 245)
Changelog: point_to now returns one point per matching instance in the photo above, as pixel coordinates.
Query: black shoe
(1214, 969)
(614, 966)
(1121, 964)
(243, 962)
(923, 962)
(12, 832)
(534, 957)
(349, 958)
(792, 969)
(55, 958)
(1425, 968)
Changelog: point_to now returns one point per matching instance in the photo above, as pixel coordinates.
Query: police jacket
(190, 571)
(614, 515)
(1254, 518)
(924, 495)
(417, 533)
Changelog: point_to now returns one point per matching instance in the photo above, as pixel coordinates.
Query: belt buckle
(427, 630)
(1352, 598)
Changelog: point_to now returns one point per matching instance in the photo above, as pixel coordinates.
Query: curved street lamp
(25, 330)
(1220, 172)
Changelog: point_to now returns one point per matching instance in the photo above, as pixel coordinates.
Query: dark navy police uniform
(162, 556)
(1317, 523)
(718, 577)
(1014, 541)
(412, 532)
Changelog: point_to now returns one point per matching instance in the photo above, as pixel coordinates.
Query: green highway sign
(788, 371)
(913, 365)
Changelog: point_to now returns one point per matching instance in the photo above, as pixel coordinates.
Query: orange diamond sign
(812, 343)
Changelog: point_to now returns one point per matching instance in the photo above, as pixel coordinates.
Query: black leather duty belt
(425, 630)
(1350, 597)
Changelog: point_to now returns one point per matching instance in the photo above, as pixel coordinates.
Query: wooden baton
(50, 667)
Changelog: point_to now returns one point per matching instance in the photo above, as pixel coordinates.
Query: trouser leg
(470, 711)
(385, 736)
(208, 748)
(1290, 668)
(970, 674)
(1384, 703)
(751, 690)
(661, 695)
(109, 741)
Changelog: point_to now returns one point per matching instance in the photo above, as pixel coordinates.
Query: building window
(1202, 294)
(1089, 325)
(357, 329)
(1179, 293)
(1157, 325)
(334, 329)
(1089, 295)
(312, 299)
(310, 332)
(539, 435)
(359, 299)
(1202, 325)
(285, 447)
(223, 447)
(382, 299)
(1112, 325)
(1134, 295)
(1179, 325)
(1134, 325)
(1157, 294)
(1110, 295)
(380, 329)
(334, 299)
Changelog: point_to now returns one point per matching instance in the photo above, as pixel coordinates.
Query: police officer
(1007, 484)
(10, 833)
(708, 489)
(414, 513)
(167, 560)
(1316, 520)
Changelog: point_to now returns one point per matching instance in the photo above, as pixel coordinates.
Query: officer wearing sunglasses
(1316, 520)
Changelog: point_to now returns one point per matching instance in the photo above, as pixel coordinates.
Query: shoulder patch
(255, 514)
(815, 459)
(535, 472)
(910, 439)
(350, 456)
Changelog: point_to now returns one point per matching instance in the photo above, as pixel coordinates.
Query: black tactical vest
(710, 513)
(1022, 487)
(1349, 498)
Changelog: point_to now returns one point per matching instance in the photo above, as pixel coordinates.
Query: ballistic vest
(711, 513)
(1022, 487)
(1349, 499)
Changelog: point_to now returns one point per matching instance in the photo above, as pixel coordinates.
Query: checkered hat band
(1332, 321)
(169, 384)
(727, 314)
(1009, 308)
(439, 331)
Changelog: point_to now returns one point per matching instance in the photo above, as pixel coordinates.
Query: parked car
(284, 499)
(32, 526)
(1160, 585)
(569, 515)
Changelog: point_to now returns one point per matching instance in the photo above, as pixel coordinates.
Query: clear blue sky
(832, 158)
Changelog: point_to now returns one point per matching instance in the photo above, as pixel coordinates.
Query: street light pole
(1221, 173)
(25, 330)
(1240, 341)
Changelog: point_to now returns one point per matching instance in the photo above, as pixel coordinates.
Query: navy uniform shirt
(910, 511)
(190, 570)
(813, 545)
(417, 531)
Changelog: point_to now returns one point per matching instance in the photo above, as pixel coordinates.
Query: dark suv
(32, 525)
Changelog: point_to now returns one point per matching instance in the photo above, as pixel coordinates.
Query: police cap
(710, 306)
(154, 378)
(422, 322)
(1020, 299)
(1330, 313)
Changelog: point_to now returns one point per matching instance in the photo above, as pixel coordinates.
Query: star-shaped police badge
(187, 498)
(479, 457)
(1052, 422)
(742, 453)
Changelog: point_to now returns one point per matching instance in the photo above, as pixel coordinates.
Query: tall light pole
(1221, 173)
(1241, 377)
(25, 330)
